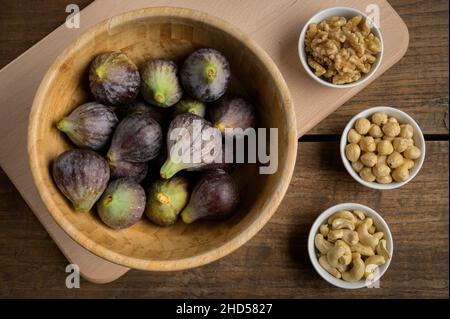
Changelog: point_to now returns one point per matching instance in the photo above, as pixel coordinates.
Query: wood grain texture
(30, 261)
(275, 260)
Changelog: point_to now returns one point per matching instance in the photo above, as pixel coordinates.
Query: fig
(137, 139)
(122, 204)
(190, 106)
(225, 162)
(191, 142)
(114, 79)
(157, 113)
(215, 196)
(166, 199)
(82, 176)
(160, 85)
(232, 112)
(90, 125)
(134, 171)
(205, 75)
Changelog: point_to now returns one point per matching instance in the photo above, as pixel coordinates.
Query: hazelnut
(388, 138)
(366, 174)
(385, 148)
(381, 159)
(375, 131)
(412, 152)
(392, 120)
(400, 144)
(362, 126)
(379, 118)
(381, 170)
(367, 144)
(406, 131)
(391, 129)
(384, 179)
(400, 174)
(357, 166)
(352, 151)
(394, 160)
(408, 163)
(369, 159)
(353, 136)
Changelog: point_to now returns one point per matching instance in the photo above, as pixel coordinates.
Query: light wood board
(275, 25)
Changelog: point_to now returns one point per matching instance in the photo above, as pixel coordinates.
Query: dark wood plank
(275, 260)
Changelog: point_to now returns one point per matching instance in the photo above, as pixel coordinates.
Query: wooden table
(275, 260)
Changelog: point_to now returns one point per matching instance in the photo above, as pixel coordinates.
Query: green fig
(137, 139)
(160, 85)
(191, 142)
(166, 199)
(205, 75)
(90, 125)
(232, 112)
(215, 196)
(122, 204)
(190, 106)
(114, 79)
(82, 176)
(134, 171)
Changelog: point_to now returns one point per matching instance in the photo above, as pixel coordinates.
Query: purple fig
(90, 125)
(191, 142)
(225, 162)
(232, 112)
(82, 176)
(160, 85)
(137, 139)
(122, 204)
(134, 171)
(114, 79)
(166, 199)
(157, 113)
(205, 75)
(214, 196)
(190, 106)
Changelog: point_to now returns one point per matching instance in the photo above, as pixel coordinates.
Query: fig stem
(108, 199)
(221, 127)
(63, 125)
(210, 73)
(159, 97)
(101, 72)
(185, 215)
(170, 168)
(162, 198)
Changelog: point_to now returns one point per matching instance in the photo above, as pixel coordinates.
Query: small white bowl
(403, 118)
(347, 13)
(379, 223)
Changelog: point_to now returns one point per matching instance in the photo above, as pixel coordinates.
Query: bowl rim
(389, 110)
(377, 218)
(302, 54)
(231, 244)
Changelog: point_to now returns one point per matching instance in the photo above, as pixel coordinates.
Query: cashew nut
(357, 271)
(382, 249)
(325, 265)
(342, 223)
(349, 236)
(342, 214)
(322, 244)
(371, 264)
(347, 257)
(371, 229)
(363, 250)
(359, 214)
(378, 235)
(324, 229)
(335, 254)
(365, 237)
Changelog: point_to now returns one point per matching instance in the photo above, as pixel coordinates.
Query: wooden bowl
(164, 33)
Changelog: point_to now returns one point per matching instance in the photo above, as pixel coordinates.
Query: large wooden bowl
(164, 33)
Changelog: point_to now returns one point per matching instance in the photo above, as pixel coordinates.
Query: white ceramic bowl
(347, 13)
(379, 223)
(403, 118)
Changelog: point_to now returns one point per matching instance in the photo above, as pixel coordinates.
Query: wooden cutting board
(274, 25)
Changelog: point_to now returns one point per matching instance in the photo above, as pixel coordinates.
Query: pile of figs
(123, 164)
